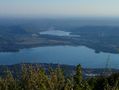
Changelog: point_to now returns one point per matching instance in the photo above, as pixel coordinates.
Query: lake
(55, 33)
(61, 54)
(58, 33)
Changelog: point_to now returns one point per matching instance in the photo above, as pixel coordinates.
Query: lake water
(58, 33)
(62, 55)
(55, 32)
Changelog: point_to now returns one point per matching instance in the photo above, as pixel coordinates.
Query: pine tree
(79, 83)
(68, 85)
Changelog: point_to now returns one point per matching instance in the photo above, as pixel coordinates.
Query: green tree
(79, 83)
(57, 79)
(68, 84)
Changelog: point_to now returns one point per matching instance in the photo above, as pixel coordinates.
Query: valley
(100, 38)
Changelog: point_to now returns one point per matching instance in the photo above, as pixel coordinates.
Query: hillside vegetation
(35, 78)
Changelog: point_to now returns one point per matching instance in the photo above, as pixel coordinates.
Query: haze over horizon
(59, 8)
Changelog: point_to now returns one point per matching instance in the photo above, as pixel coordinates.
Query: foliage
(35, 78)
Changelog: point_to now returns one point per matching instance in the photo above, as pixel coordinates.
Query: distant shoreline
(97, 49)
(69, 69)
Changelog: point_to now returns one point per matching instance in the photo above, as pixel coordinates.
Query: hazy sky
(59, 8)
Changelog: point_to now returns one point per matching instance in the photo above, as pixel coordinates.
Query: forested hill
(10, 31)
